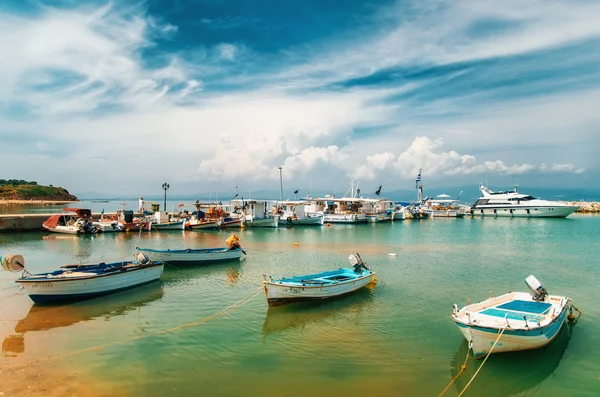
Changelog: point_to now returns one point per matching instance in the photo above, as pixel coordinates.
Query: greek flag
(418, 179)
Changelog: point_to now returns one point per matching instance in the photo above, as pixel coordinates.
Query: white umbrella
(443, 196)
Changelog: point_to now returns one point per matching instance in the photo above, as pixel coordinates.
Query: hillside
(35, 192)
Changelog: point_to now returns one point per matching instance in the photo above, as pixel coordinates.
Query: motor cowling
(142, 258)
(537, 288)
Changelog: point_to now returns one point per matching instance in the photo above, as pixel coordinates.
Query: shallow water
(394, 338)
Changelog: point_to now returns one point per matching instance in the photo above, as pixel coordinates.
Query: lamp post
(165, 187)
(280, 185)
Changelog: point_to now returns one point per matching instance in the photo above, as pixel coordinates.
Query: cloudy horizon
(126, 95)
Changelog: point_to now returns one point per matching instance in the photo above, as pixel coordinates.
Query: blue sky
(122, 96)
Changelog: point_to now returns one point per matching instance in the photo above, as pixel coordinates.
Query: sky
(206, 95)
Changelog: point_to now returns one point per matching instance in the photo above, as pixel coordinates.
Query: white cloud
(568, 167)
(227, 51)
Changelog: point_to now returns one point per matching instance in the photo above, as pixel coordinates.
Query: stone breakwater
(585, 206)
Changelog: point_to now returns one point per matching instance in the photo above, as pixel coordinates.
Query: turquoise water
(395, 338)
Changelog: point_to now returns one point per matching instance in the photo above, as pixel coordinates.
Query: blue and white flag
(418, 179)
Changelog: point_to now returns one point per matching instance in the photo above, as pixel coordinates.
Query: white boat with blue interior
(514, 321)
(318, 286)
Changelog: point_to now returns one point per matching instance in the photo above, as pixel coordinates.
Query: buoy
(392, 254)
(328, 224)
(296, 244)
(571, 317)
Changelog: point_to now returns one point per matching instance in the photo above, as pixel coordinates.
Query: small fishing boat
(76, 282)
(233, 251)
(200, 224)
(229, 223)
(514, 321)
(293, 214)
(72, 221)
(319, 286)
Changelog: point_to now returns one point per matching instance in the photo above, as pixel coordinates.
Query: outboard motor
(537, 288)
(357, 262)
(142, 258)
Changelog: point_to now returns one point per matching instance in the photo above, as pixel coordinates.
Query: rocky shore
(35, 202)
(585, 207)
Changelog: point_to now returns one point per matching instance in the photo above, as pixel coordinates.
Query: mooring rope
(462, 368)
(204, 320)
(484, 360)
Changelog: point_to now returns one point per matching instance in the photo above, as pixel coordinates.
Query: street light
(280, 185)
(165, 187)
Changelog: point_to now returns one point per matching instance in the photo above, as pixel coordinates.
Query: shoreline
(36, 202)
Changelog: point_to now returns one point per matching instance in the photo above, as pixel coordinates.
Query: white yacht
(515, 204)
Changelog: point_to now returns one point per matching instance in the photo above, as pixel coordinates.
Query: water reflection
(510, 373)
(44, 318)
(301, 315)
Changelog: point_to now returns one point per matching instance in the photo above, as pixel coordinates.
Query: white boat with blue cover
(76, 282)
(193, 256)
(514, 321)
(318, 286)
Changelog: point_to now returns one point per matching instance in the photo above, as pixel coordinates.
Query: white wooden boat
(526, 320)
(72, 221)
(318, 286)
(196, 224)
(76, 282)
(292, 213)
(179, 225)
(254, 213)
(197, 256)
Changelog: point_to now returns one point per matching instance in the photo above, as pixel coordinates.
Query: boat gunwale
(188, 250)
(286, 285)
(116, 271)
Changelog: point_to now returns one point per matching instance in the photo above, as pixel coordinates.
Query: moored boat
(232, 251)
(514, 321)
(292, 213)
(318, 286)
(72, 221)
(76, 282)
(517, 205)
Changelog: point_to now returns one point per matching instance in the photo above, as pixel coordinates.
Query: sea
(207, 330)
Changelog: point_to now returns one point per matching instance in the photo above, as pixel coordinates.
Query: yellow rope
(484, 360)
(464, 366)
(204, 320)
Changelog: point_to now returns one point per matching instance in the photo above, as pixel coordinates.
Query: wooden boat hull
(230, 224)
(376, 218)
(344, 218)
(532, 332)
(262, 222)
(202, 226)
(197, 256)
(168, 226)
(65, 289)
(281, 294)
(307, 221)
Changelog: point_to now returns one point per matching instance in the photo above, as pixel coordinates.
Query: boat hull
(232, 224)
(262, 222)
(511, 340)
(532, 212)
(168, 226)
(202, 226)
(307, 221)
(63, 229)
(281, 294)
(48, 290)
(376, 218)
(193, 256)
(344, 218)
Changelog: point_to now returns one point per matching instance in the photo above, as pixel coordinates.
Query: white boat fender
(392, 254)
